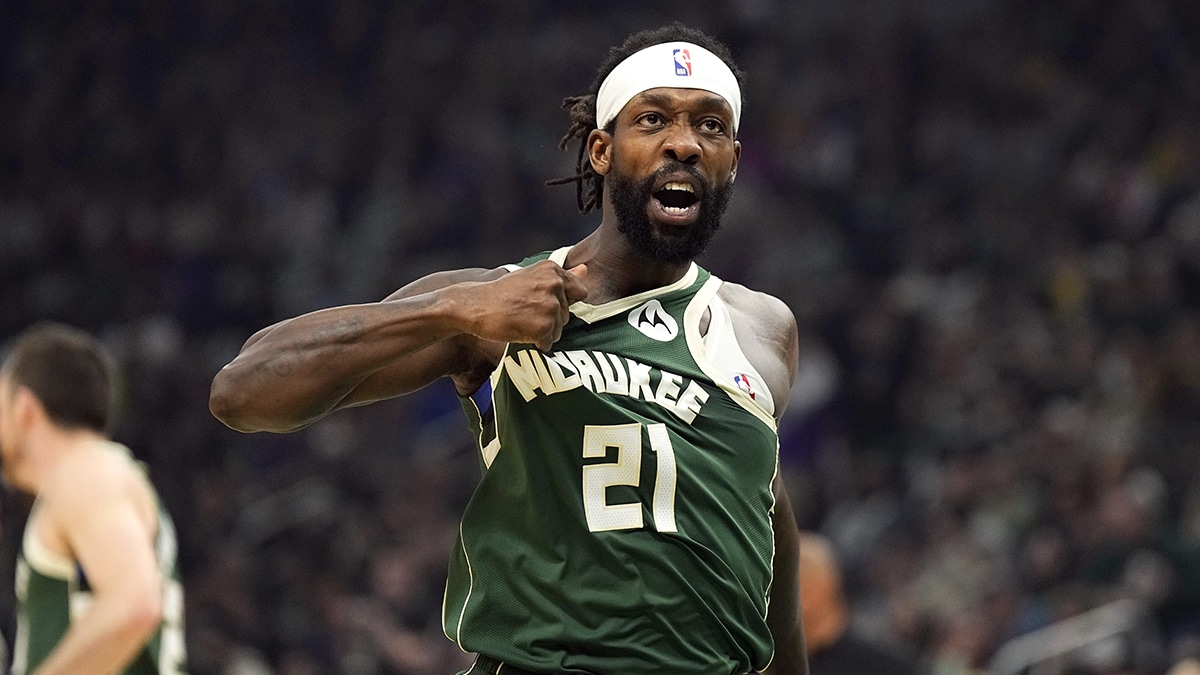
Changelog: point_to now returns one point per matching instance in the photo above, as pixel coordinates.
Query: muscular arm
(766, 331)
(293, 373)
(102, 513)
(783, 614)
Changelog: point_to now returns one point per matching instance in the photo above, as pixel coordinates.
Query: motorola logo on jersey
(654, 322)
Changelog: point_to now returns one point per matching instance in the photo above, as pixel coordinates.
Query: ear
(27, 409)
(599, 144)
(737, 155)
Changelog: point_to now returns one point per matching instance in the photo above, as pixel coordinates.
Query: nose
(681, 144)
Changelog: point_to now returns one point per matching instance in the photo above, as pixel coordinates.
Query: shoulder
(761, 310)
(766, 331)
(95, 477)
(765, 319)
(97, 463)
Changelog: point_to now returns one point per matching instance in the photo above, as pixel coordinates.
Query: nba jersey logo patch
(683, 62)
(654, 322)
(742, 381)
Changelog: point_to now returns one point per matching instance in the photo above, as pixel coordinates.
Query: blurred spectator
(1185, 667)
(833, 645)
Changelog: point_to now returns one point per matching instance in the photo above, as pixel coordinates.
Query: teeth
(678, 186)
(675, 210)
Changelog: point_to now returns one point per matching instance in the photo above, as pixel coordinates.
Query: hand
(529, 305)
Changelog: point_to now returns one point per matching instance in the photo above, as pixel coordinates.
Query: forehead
(677, 98)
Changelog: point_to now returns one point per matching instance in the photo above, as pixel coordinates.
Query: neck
(615, 268)
(46, 447)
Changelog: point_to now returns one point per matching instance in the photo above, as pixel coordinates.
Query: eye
(652, 119)
(713, 126)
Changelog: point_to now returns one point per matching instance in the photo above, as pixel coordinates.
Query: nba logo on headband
(683, 62)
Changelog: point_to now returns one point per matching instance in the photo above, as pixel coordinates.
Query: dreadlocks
(581, 110)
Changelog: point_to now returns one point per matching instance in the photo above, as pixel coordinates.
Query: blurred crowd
(984, 214)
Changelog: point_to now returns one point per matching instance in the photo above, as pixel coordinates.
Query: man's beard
(630, 201)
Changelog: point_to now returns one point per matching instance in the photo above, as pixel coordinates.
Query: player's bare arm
(99, 511)
(783, 612)
(295, 372)
(766, 330)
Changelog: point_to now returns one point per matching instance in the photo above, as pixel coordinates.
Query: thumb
(575, 288)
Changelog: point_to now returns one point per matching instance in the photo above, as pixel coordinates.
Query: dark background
(982, 212)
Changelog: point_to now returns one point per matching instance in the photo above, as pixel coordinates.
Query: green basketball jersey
(623, 520)
(52, 591)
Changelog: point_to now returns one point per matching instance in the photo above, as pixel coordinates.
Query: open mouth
(677, 199)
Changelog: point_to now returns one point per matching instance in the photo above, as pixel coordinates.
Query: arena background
(983, 213)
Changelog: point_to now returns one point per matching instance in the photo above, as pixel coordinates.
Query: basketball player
(97, 590)
(630, 518)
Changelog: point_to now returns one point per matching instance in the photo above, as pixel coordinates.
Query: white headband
(682, 65)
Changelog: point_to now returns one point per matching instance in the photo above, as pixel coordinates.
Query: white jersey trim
(722, 345)
(691, 320)
(462, 611)
(594, 313)
(492, 449)
(41, 559)
(488, 454)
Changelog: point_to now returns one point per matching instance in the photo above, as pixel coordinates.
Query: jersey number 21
(627, 470)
